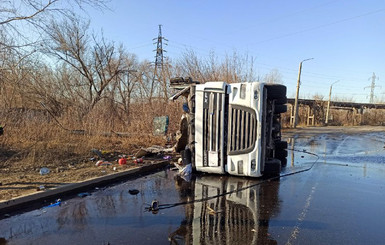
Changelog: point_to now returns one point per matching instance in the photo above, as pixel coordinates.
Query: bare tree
(19, 15)
(274, 76)
(233, 68)
(97, 62)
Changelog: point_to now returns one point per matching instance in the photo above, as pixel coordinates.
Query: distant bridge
(338, 104)
(314, 106)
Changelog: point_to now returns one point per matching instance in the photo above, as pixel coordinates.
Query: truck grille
(242, 126)
(213, 124)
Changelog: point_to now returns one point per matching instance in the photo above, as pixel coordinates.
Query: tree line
(60, 63)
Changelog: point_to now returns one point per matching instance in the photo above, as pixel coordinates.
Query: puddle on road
(352, 149)
(114, 216)
(218, 215)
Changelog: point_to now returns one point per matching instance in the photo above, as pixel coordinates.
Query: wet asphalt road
(338, 199)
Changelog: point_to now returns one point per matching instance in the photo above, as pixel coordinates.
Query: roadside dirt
(22, 177)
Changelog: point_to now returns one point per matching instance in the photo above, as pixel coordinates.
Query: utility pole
(297, 93)
(372, 86)
(328, 108)
(158, 69)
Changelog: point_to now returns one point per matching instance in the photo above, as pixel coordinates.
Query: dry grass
(32, 142)
(346, 117)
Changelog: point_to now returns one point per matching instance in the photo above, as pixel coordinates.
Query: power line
(320, 26)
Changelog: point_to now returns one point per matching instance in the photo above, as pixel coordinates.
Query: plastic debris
(102, 163)
(40, 188)
(57, 203)
(114, 168)
(97, 152)
(122, 161)
(154, 205)
(184, 171)
(84, 194)
(167, 157)
(138, 160)
(133, 191)
(185, 108)
(44, 171)
(160, 125)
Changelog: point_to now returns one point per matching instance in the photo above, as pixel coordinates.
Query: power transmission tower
(372, 86)
(158, 68)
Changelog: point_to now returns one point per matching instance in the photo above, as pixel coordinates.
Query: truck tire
(272, 168)
(275, 91)
(280, 145)
(281, 101)
(280, 154)
(283, 162)
(280, 109)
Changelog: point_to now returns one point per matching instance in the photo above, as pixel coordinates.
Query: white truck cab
(234, 128)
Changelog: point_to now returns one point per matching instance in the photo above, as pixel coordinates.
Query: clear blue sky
(346, 38)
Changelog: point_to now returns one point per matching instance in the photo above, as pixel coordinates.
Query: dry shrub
(36, 139)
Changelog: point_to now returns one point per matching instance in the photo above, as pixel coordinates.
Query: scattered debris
(84, 194)
(184, 170)
(57, 203)
(40, 188)
(154, 205)
(97, 152)
(133, 191)
(138, 160)
(102, 163)
(211, 211)
(153, 150)
(167, 158)
(44, 171)
(114, 168)
(122, 161)
(160, 125)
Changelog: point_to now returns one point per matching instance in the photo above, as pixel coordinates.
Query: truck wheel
(280, 109)
(281, 101)
(272, 168)
(280, 154)
(280, 145)
(283, 162)
(275, 91)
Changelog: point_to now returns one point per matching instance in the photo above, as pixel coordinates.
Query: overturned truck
(232, 128)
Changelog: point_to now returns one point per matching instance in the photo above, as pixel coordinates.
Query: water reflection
(238, 218)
